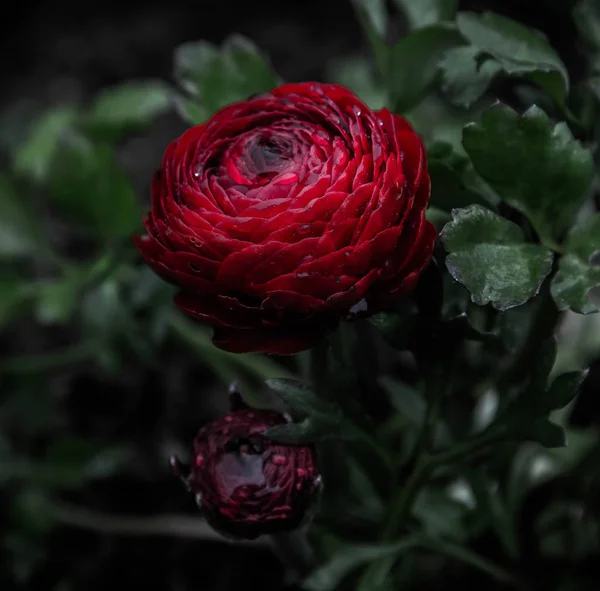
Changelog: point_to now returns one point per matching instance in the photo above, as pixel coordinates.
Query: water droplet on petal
(304, 228)
(301, 275)
(199, 460)
(279, 460)
(301, 473)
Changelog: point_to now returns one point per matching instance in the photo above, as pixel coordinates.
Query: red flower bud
(246, 484)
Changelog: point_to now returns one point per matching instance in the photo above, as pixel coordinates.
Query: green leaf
(489, 256)
(373, 18)
(216, 77)
(579, 269)
(14, 292)
(90, 188)
(564, 388)
(466, 74)
(35, 156)
(448, 191)
(58, 300)
(427, 12)
(357, 73)
(20, 233)
(414, 64)
(547, 433)
(129, 106)
(534, 166)
(396, 327)
(519, 49)
(586, 15)
(329, 576)
(300, 397)
(302, 433)
(406, 400)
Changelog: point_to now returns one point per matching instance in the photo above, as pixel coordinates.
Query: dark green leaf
(329, 576)
(587, 18)
(219, 76)
(547, 433)
(58, 300)
(534, 166)
(427, 12)
(466, 74)
(564, 388)
(448, 190)
(34, 158)
(91, 188)
(130, 106)
(414, 63)
(489, 256)
(519, 49)
(357, 74)
(14, 293)
(579, 269)
(396, 327)
(300, 397)
(305, 432)
(20, 233)
(406, 400)
(189, 110)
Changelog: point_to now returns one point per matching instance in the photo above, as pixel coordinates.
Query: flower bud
(246, 484)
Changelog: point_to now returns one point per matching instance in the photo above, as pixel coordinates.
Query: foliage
(444, 426)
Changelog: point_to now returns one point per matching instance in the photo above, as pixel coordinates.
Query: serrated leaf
(579, 270)
(20, 233)
(489, 256)
(90, 188)
(519, 49)
(34, 157)
(534, 166)
(414, 64)
(564, 388)
(300, 397)
(129, 106)
(329, 576)
(546, 433)
(466, 74)
(219, 76)
(427, 12)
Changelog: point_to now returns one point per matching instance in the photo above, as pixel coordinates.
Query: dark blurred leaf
(329, 576)
(189, 110)
(427, 12)
(519, 49)
(448, 190)
(219, 76)
(525, 157)
(396, 327)
(300, 397)
(587, 18)
(466, 74)
(579, 268)
(373, 18)
(414, 64)
(489, 255)
(20, 233)
(406, 400)
(14, 293)
(440, 515)
(129, 106)
(564, 388)
(91, 189)
(545, 432)
(57, 300)
(35, 156)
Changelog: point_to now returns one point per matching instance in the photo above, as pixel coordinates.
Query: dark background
(64, 51)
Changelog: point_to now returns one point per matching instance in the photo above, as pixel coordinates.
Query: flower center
(258, 157)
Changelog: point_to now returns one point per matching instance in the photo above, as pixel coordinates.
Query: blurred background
(100, 379)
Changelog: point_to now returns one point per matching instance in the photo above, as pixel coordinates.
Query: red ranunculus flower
(246, 484)
(287, 212)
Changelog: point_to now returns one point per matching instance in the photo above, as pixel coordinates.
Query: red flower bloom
(246, 484)
(287, 212)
